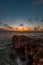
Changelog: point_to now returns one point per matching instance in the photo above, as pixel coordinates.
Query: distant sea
(10, 34)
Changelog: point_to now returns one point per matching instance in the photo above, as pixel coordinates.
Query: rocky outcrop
(27, 49)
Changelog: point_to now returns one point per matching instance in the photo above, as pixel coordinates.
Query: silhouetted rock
(27, 49)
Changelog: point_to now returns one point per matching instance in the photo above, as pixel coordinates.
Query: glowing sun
(20, 28)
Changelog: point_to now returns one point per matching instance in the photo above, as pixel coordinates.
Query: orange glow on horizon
(21, 29)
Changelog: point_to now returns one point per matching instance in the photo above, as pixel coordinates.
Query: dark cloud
(36, 2)
(36, 28)
(42, 20)
(0, 23)
(21, 25)
(36, 18)
(30, 19)
(7, 26)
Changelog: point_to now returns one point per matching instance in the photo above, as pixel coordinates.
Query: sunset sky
(21, 15)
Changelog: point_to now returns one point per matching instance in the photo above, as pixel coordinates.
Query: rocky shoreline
(21, 50)
(28, 50)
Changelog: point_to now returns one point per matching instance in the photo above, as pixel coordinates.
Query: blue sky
(15, 12)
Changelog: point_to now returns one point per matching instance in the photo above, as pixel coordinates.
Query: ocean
(10, 34)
